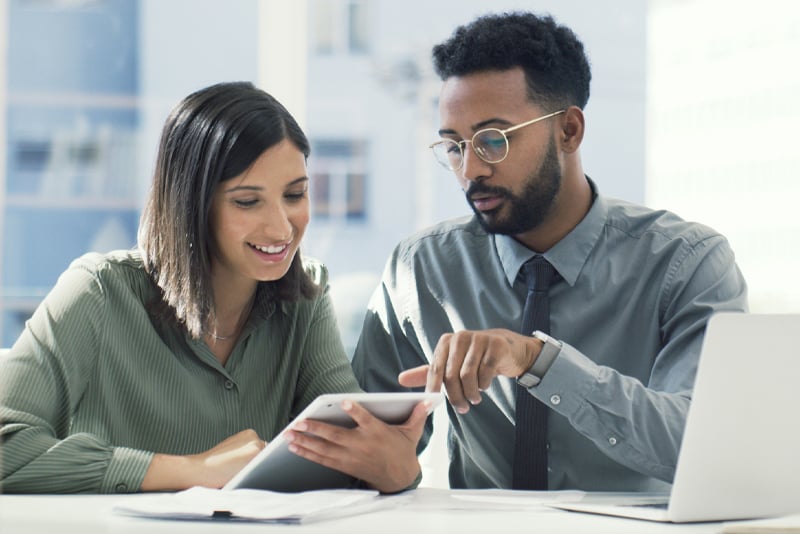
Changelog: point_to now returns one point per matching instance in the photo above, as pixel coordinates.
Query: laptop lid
(740, 454)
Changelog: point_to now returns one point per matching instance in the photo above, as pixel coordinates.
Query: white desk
(425, 512)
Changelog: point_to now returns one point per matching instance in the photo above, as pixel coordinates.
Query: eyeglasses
(489, 144)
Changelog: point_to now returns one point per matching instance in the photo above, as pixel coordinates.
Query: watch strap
(547, 355)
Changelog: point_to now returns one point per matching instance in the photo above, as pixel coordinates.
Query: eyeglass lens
(490, 145)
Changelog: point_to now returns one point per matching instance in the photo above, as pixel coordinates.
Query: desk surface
(420, 512)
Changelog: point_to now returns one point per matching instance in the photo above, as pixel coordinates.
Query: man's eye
(453, 148)
(494, 143)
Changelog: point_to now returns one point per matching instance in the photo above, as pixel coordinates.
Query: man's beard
(527, 211)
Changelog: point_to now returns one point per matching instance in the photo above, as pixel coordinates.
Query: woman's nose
(277, 225)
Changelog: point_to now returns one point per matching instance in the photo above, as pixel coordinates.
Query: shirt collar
(569, 255)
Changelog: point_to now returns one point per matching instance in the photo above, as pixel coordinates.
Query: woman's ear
(572, 128)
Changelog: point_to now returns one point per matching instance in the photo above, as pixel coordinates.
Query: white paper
(252, 505)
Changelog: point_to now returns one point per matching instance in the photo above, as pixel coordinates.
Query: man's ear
(572, 128)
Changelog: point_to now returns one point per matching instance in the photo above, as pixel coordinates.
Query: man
(627, 308)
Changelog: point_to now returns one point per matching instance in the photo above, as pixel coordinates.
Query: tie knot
(538, 274)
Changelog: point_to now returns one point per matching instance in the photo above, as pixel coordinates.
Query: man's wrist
(550, 348)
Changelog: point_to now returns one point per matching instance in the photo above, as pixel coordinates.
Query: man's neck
(570, 207)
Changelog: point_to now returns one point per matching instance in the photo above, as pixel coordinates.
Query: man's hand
(384, 456)
(212, 468)
(467, 362)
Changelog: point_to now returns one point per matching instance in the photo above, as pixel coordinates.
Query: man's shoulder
(638, 221)
(446, 237)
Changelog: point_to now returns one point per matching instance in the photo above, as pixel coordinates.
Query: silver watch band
(550, 349)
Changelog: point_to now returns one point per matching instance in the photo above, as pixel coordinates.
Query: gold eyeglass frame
(462, 145)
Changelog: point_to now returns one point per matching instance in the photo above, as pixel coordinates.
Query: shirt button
(228, 384)
(555, 399)
(121, 488)
(612, 441)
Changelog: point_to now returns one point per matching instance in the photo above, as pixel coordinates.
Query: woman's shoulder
(116, 262)
(118, 268)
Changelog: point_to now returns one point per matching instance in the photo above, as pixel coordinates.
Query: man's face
(523, 211)
(515, 195)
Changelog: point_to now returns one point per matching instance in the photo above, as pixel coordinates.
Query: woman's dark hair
(556, 68)
(211, 136)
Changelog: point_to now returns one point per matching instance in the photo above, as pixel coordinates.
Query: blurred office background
(85, 86)
(693, 109)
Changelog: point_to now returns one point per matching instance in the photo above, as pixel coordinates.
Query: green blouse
(94, 386)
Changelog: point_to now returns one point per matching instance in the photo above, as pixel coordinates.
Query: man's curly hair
(552, 56)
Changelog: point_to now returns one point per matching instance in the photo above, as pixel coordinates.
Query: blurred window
(340, 27)
(339, 176)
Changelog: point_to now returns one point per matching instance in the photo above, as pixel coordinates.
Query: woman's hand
(382, 455)
(212, 468)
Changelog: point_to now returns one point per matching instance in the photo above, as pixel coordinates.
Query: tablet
(275, 468)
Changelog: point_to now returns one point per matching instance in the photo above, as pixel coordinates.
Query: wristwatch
(550, 349)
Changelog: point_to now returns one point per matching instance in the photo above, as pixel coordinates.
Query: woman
(167, 366)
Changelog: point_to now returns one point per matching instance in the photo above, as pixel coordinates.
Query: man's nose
(474, 169)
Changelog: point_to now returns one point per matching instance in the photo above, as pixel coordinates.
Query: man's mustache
(480, 189)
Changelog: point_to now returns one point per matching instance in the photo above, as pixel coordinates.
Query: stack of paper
(252, 505)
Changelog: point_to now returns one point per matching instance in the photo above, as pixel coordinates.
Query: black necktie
(530, 443)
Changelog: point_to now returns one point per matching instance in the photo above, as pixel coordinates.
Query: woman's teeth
(270, 249)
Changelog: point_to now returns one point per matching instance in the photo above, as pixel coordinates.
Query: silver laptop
(740, 455)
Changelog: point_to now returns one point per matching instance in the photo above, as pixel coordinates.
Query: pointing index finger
(414, 377)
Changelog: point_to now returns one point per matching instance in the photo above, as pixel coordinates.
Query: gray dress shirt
(637, 287)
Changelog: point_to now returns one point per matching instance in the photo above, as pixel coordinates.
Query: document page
(252, 505)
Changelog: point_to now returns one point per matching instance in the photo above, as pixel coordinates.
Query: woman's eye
(245, 203)
(296, 195)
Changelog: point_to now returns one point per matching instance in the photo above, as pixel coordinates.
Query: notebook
(740, 455)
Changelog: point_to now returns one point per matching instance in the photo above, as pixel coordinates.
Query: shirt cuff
(568, 382)
(126, 470)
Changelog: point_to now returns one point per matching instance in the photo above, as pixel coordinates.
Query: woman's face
(259, 217)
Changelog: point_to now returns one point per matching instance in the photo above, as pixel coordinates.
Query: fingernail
(301, 426)
(347, 405)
